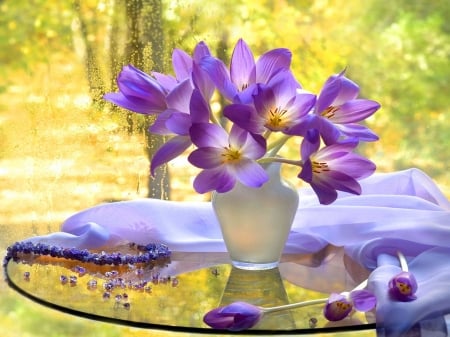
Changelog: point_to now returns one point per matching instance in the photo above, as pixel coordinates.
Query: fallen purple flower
(236, 316)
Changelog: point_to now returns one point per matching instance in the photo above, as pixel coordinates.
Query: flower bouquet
(234, 144)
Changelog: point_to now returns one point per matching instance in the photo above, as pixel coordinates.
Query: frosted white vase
(255, 222)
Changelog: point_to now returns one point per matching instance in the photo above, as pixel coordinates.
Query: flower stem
(294, 305)
(403, 263)
(273, 148)
(361, 286)
(280, 160)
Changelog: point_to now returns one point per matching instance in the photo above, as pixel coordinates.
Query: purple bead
(63, 279)
(92, 284)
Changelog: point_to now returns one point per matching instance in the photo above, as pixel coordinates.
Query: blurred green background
(63, 149)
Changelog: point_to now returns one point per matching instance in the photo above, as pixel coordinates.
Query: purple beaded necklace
(145, 253)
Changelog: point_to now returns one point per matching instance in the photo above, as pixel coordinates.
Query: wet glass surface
(174, 294)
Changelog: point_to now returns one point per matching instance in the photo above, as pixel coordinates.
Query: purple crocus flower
(341, 305)
(226, 158)
(238, 84)
(187, 67)
(138, 92)
(332, 168)
(236, 316)
(175, 122)
(277, 107)
(339, 110)
(403, 286)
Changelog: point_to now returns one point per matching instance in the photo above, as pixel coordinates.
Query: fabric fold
(402, 210)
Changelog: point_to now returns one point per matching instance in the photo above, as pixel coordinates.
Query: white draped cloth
(402, 210)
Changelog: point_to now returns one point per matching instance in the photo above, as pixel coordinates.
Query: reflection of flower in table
(266, 106)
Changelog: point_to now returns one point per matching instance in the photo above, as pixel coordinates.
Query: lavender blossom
(138, 92)
(403, 287)
(238, 83)
(339, 110)
(276, 108)
(332, 168)
(341, 305)
(226, 158)
(236, 316)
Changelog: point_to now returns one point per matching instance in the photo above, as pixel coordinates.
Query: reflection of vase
(255, 222)
(262, 288)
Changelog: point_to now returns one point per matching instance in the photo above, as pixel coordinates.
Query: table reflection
(174, 294)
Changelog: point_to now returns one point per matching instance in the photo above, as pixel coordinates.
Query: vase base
(254, 265)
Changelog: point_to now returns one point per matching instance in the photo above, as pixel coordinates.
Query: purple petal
(337, 308)
(167, 82)
(138, 86)
(206, 157)
(198, 108)
(220, 76)
(272, 62)
(355, 166)
(234, 317)
(349, 90)
(330, 132)
(310, 143)
(328, 94)
(182, 64)
(250, 173)
(168, 151)
(179, 123)
(217, 320)
(359, 131)
(325, 194)
(363, 300)
(402, 287)
(203, 82)
(242, 66)
(355, 110)
(133, 103)
(134, 82)
(180, 96)
(208, 135)
(251, 145)
(303, 103)
(218, 179)
(200, 51)
(245, 116)
(340, 181)
(159, 126)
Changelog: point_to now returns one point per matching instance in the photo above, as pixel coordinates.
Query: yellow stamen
(275, 119)
(329, 112)
(319, 167)
(244, 86)
(404, 288)
(230, 155)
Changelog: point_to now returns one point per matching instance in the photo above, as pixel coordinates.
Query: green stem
(265, 160)
(361, 286)
(273, 148)
(294, 305)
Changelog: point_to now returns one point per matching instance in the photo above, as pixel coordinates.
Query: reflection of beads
(146, 253)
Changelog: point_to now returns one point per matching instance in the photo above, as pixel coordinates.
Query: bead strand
(146, 253)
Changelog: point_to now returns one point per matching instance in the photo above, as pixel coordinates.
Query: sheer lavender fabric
(402, 210)
(404, 205)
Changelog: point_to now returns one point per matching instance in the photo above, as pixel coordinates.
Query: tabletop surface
(174, 293)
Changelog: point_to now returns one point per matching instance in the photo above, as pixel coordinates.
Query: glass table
(174, 293)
